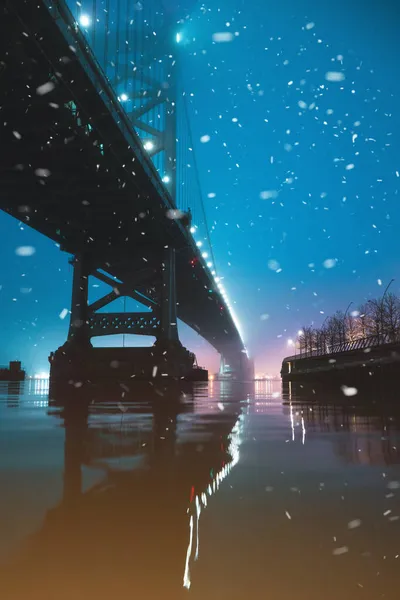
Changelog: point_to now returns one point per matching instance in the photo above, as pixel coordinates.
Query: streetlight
(387, 287)
(380, 308)
(291, 342)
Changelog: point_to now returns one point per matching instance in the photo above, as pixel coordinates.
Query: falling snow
(25, 251)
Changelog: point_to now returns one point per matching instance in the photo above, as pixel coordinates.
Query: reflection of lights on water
(292, 421)
(201, 499)
(39, 386)
(292, 424)
(186, 576)
(198, 511)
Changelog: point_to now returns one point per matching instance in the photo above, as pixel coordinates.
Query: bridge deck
(74, 169)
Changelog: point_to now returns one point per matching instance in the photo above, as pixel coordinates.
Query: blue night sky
(301, 171)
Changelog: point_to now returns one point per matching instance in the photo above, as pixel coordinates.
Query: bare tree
(306, 340)
(391, 316)
(378, 317)
(376, 320)
(362, 325)
(334, 330)
(321, 340)
(351, 328)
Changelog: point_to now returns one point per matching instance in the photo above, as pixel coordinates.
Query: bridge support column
(236, 365)
(169, 325)
(79, 322)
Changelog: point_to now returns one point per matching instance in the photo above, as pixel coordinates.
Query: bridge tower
(155, 288)
(141, 62)
(236, 365)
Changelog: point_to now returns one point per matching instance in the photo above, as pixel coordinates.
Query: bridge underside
(73, 168)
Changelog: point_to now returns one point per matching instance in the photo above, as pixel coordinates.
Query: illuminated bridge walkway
(96, 153)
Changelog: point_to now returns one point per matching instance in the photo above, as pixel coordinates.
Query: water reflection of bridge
(139, 471)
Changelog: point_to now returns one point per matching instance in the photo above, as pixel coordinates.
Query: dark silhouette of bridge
(96, 153)
(138, 528)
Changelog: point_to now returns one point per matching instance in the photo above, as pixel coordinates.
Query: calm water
(217, 492)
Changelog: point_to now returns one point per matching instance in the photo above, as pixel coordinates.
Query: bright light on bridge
(178, 38)
(166, 179)
(220, 286)
(84, 20)
(148, 145)
(41, 375)
(124, 98)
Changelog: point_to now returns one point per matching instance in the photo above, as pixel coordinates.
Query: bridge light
(209, 264)
(178, 37)
(148, 145)
(41, 375)
(199, 244)
(205, 255)
(166, 179)
(300, 332)
(84, 20)
(217, 279)
(124, 98)
(213, 273)
(290, 342)
(193, 230)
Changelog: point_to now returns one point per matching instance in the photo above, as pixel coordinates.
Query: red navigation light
(192, 494)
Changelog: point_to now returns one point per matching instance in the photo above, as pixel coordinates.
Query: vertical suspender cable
(116, 78)
(94, 18)
(107, 33)
(196, 174)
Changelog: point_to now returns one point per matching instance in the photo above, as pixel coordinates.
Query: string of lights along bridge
(137, 47)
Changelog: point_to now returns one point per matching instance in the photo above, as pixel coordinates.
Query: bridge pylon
(236, 365)
(155, 287)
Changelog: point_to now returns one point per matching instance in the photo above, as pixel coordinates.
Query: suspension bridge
(97, 154)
